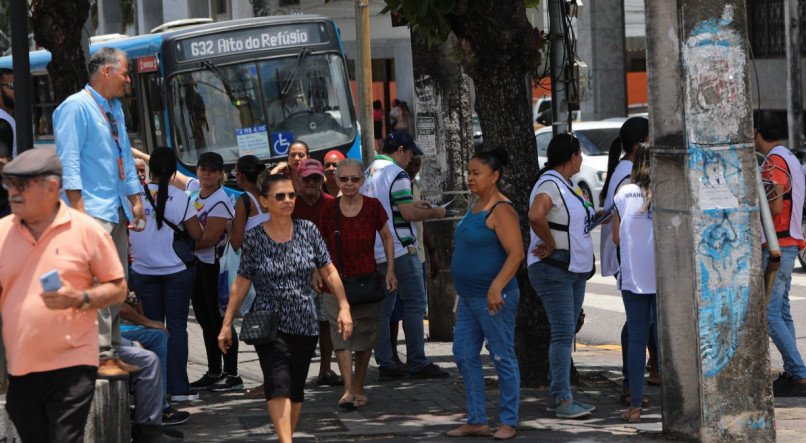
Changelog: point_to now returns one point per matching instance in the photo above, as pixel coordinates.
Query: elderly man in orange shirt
(51, 336)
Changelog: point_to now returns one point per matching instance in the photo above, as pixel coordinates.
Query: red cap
(310, 166)
(335, 152)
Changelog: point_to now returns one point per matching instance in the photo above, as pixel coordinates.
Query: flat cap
(33, 162)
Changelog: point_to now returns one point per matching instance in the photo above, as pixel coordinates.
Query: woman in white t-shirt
(634, 131)
(248, 212)
(632, 232)
(560, 260)
(215, 211)
(160, 278)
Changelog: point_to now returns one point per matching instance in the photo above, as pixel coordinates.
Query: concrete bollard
(108, 419)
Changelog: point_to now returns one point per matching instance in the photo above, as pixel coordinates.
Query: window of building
(288, 3)
(221, 6)
(765, 23)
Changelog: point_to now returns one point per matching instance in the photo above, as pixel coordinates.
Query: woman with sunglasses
(360, 218)
(279, 257)
(560, 259)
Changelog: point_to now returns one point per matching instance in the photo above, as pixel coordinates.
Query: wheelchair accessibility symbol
(281, 141)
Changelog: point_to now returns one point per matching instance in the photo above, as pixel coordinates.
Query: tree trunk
(443, 116)
(500, 53)
(57, 27)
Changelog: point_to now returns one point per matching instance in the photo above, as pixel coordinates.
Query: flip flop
(348, 405)
(360, 400)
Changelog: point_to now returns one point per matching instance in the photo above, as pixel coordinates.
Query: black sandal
(330, 379)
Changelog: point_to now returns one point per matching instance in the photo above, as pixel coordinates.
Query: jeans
(166, 298)
(156, 341)
(640, 309)
(146, 384)
(562, 293)
(411, 290)
(473, 325)
(625, 348)
(779, 317)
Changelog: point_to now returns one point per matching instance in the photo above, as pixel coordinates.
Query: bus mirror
(155, 93)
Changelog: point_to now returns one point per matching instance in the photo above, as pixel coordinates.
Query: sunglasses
(113, 124)
(280, 196)
(20, 184)
(7, 85)
(345, 179)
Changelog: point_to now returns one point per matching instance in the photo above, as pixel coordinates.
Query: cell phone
(445, 205)
(51, 281)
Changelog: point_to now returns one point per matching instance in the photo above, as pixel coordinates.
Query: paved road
(604, 310)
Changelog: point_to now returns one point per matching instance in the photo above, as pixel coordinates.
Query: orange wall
(637, 88)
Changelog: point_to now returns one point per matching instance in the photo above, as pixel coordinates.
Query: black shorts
(285, 365)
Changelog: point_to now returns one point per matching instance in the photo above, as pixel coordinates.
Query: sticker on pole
(281, 141)
(253, 141)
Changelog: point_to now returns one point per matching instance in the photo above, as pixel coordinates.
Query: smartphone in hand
(51, 281)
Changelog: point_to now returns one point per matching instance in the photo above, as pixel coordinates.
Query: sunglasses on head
(354, 179)
(280, 196)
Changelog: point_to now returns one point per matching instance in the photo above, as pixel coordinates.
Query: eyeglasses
(112, 123)
(7, 85)
(345, 179)
(328, 165)
(280, 196)
(20, 184)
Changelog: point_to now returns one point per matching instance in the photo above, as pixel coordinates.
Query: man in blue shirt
(99, 175)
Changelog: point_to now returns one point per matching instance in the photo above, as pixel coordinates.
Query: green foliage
(430, 18)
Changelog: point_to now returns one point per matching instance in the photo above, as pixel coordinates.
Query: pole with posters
(364, 74)
(22, 75)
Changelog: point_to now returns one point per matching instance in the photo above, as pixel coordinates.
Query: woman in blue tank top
(487, 253)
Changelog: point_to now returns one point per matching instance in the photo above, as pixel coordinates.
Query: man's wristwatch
(85, 304)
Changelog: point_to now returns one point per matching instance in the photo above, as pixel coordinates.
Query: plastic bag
(230, 259)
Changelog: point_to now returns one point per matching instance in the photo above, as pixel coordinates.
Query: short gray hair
(105, 57)
(350, 163)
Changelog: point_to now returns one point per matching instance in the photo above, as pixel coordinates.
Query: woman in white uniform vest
(632, 232)
(560, 260)
(633, 131)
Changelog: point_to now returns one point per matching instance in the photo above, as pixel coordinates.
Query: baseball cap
(310, 166)
(400, 138)
(212, 160)
(34, 162)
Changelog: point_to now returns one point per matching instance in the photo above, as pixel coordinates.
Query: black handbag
(260, 327)
(184, 246)
(362, 289)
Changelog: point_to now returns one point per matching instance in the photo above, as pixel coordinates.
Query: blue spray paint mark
(757, 424)
(724, 250)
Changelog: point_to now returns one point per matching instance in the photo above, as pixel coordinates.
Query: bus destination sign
(248, 40)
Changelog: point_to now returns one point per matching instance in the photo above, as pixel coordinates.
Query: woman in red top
(360, 218)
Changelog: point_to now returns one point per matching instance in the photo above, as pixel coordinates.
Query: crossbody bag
(183, 245)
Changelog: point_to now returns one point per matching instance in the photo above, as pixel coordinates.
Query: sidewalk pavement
(425, 409)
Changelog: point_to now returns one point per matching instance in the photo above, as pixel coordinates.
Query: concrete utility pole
(363, 68)
(560, 77)
(23, 85)
(712, 308)
(794, 103)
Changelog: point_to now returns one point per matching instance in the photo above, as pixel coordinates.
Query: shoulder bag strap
(337, 219)
(164, 220)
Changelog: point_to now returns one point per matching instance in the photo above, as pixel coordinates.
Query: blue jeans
(166, 298)
(640, 309)
(473, 325)
(779, 317)
(156, 341)
(146, 385)
(411, 290)
(562, 293)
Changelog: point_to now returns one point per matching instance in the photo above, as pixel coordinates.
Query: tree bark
(501, 51)
(444, 130)
(57, 27)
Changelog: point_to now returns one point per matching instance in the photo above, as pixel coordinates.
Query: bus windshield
(241, 109)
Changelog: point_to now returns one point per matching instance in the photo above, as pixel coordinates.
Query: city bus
(250, 86)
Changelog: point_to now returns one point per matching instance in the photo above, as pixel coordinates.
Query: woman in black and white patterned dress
(279, 257)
